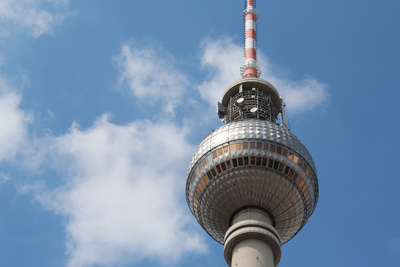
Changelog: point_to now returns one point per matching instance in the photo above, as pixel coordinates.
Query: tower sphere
(252, 163)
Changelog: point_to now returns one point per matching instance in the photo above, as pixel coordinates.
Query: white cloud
(300, 95)
(223, 58)
(29, 188)
(122, 192)
(37, 16)
(13, 122)
(151, 75)
(4, 177)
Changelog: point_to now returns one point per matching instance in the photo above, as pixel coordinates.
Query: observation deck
(252, 163)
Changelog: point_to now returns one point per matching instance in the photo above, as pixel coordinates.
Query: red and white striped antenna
(250, 67)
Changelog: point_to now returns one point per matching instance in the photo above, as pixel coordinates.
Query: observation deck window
(299, 181)
(279, 150)
(233, 147)
(228, 165)
(295, 159)
(272, 148)
(234, 161)
(300, 163)
(246, 161)
(264, 162)
(200, 186)
(270, 163)
(239, 146)
(259, 161)
(204, 162)
(259, 145)
(226, 149)
(308, 171)
(276, 165)
(223, 166)
(245, 145)
(252, 145)
(253, 161)
(302, 183)
(266, 146)
(218, 168)
(281, 167)
(205, 178)
(287, 170)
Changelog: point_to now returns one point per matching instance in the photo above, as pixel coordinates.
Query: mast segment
(250, 67)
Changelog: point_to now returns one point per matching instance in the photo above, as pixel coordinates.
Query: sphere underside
(252, 163)
(252, 187)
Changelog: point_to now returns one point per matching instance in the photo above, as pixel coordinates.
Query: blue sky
(102, 104)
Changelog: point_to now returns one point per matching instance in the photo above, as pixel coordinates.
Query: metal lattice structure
(251, 101)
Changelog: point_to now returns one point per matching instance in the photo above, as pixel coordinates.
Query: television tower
(252, 184)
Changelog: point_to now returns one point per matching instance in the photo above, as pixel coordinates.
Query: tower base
(252, 241)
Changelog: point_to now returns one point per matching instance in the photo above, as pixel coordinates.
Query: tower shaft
(252, 241)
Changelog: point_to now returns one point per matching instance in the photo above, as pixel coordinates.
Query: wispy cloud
(13, 121)
(36, 16)
(151, 74)
(4, 177)
(222, 59)
(122, 192)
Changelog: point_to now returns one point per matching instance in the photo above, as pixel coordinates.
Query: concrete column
(252, 241)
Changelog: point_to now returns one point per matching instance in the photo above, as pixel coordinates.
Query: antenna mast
(250, 67)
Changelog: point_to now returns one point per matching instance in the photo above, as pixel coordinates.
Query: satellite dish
(254, 111)
(240, 102)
